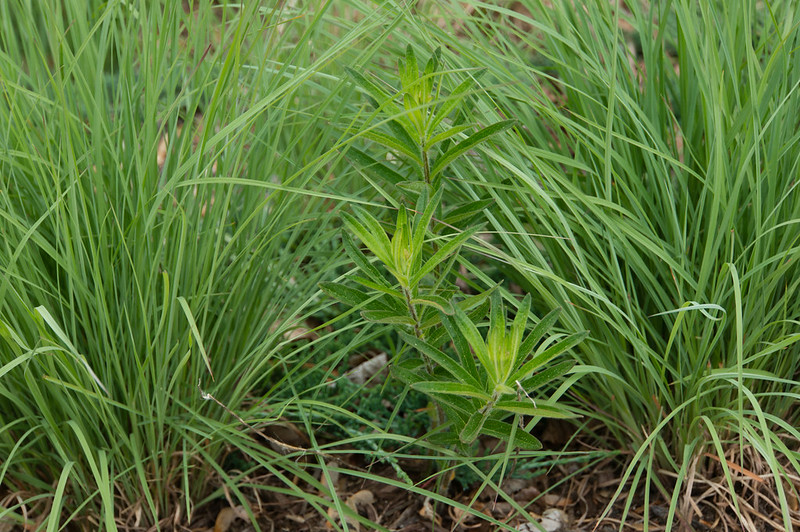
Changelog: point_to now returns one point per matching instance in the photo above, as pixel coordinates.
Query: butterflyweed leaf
(415, 187)
(530, 408)
(371, 234)
(469, 143)
(387, 316)
(475, 341)
(367, 164)
(410, 371)
(548, 354)
(449, 103)
(546, 375)
(451, 388)
(441, 254)
(379, 287)
(383, 98)
(443, 360)
(537, 334)
(421, 224)
(495, 339)
(473, 427)
(394, 143)
(430, 68)
(444, 135)
(345, 294)
(512, 435)
(401, 247)
(462, 347)
(434, 301)
(362, 261)
(414, 113)
(465, 213)
(411, 70)
(514, 339)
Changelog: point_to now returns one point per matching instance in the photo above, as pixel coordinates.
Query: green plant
(420, 300)
(659, 139)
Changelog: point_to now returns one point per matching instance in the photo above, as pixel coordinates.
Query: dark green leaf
(469, 143)
(345, 294)
(502, 430)
(538, 332)
(527, 408)
(451, 388)
(473, 427)
(441, 254)
(387, 316)
(436, 302)
(361, 261)
(548, 354)
(545, 376)
(467, 211)
(445, 361)
(368, 164)
(462, 347)
(393, 143)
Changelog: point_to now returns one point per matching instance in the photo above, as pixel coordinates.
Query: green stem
(426, 167)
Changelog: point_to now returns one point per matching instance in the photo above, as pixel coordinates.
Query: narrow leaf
(453, 100)
(393, 143)
(473, 427)
(345, 294)
(441, 254)
(546, 376)
(387, 316)
(368, 164)
(451, 388)
(547, 355)
(467, 211)
(378, 246)
(361, 260)
(469, 143)
(443, 360)
(538, 332)
(383, 98)
(502, 430)
(446, 134)
(434, 301)
(474, 338)
(527, 408)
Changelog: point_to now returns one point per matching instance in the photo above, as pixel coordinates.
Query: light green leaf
(538, 333)
(545, 376)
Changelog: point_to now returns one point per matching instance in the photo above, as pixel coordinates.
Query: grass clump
(171, 188)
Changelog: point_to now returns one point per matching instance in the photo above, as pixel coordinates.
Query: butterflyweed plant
(489, 378)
